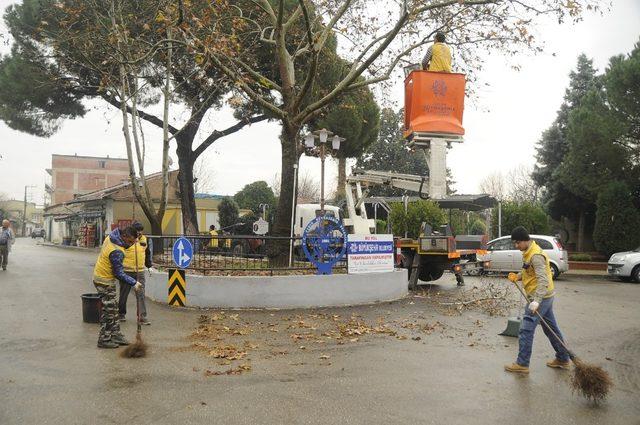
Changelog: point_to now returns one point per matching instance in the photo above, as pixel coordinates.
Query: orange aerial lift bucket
(433, 103)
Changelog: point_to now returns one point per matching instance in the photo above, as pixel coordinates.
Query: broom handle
(544, 322)
(135, 253)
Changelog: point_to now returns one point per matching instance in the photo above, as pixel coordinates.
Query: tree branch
(144, 115)
(311, 73)
(219, 134)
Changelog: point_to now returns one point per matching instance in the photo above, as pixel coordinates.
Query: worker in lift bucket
(438, 57)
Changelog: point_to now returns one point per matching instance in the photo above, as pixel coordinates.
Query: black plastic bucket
(91, 308)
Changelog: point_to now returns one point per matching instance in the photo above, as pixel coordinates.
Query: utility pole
(24, 212)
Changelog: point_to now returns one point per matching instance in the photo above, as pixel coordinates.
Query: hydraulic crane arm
(408, 182)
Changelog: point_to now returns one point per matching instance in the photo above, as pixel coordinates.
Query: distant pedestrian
(136, 258)
(6, 240)
(537, 282)
(107, 271)
(213, 241)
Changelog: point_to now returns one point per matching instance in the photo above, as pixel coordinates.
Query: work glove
(138, 287)
(533, 306)
(513, 277)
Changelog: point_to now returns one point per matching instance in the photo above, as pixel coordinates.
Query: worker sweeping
(108, 270)
(537, 281)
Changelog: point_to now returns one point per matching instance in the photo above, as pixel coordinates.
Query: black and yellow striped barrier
(177, 293)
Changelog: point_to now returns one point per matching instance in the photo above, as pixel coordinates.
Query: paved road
(425, 364)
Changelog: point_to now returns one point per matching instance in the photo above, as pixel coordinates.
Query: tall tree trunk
(581, 225)
(279, 252)
(156, 229)
(342, 177)
(185, 183)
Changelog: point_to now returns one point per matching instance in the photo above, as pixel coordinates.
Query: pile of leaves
(492, 295)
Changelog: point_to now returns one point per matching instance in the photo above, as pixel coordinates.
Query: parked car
(504, 257)
(37, 233)
(625, 265)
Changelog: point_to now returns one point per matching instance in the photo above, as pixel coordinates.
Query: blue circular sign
(182, 252)
(324, 243)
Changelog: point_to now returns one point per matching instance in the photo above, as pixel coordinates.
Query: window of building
(102, 164)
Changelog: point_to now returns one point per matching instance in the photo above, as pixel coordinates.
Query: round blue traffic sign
(182, 252)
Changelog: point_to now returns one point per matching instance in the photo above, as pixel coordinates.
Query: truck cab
(305, 213)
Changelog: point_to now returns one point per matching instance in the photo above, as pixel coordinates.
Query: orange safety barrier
(433, 103)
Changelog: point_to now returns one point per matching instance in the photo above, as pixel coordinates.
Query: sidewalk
(601, 274)
(77, 248)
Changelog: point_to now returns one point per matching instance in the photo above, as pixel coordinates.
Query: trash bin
(91, 308)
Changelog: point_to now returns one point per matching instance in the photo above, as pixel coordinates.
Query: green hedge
(580, 257)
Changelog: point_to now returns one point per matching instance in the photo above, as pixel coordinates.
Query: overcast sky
(502, 125)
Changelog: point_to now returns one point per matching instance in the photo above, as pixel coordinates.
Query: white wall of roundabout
(283, 292)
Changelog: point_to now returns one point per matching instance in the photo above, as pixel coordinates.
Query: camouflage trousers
(109, 324)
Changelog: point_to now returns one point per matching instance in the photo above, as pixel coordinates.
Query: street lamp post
(322, 136)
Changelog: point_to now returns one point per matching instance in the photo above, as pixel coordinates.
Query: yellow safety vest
(529, 280)
(129, 261)
(103, 270)
(213, 243)
(440, 58)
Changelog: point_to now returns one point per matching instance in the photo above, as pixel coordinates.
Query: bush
(478, 227)
(617, 220)
(417, 212)
(381, 226)
(228, 213)
(579, 257)
(527, 214)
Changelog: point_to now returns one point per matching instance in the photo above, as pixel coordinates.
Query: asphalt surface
(426, 359)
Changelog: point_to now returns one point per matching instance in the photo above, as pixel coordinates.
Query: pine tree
(559, 200)
(617, 220)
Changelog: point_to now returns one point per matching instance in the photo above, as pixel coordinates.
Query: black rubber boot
(119, 339)
(108, 344)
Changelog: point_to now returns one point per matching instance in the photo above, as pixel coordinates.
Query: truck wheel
(429, 273)
(407, 259)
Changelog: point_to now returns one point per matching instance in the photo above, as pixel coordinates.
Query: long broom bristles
(135, 350)
(592, 382)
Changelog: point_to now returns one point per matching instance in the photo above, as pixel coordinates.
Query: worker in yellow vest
(213, 242)
(438, 56)
(537, 282)
(136, 258)
(109, 269)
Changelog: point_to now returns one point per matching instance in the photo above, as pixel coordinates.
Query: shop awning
(92, 214)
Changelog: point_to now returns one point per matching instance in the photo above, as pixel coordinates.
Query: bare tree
(275, 184)
(522, 188)
(204, 175)
(308, 187)
(494, 185)
(517, 185)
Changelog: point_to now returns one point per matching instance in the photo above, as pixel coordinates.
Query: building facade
(15, 209)
(87, 219)
(73, 175)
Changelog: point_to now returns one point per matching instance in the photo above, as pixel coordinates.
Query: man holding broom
(537, 281)
(109, 269)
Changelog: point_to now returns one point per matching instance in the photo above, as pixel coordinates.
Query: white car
(625, 265)
(504, 257)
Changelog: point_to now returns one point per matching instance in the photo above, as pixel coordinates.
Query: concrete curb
(283, 292)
